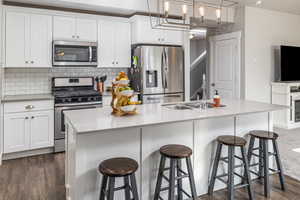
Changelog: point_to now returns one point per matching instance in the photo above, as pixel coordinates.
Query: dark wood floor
(42, 178)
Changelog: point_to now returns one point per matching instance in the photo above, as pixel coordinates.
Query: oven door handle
(90, 54)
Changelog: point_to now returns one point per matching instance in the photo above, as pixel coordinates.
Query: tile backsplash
(38, 81)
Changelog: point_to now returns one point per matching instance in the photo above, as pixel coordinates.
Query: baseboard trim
(23, 154)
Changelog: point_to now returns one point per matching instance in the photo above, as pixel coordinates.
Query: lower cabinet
(28, 131)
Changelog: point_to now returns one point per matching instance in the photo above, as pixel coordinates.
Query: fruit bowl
(127, 93)
(122, 82)
(129, 108)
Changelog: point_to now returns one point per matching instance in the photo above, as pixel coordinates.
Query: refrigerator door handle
(162, 70)
(166, 69)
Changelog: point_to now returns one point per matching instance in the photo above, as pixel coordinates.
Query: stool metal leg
(111, 187)
(246, 168)
(179, 181)
(103, 187)
(191, 178)
(159, 177)
(134, 187)
(172, 179)
(279, 164)
(250, 149)
(266, 168)
(127, 188)
(231, 164)
(215, 169)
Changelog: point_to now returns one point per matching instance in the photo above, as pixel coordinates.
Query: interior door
(40, 40)
(106, 44)
(86, 30)
(122, 44)
(225, 66)
(41, 129)
(64, 28)
(17, 38)
(16, 132)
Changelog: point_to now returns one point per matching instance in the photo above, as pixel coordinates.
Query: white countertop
(27, 97)
(90, 120)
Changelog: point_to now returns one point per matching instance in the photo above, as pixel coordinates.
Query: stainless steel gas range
(71, 94)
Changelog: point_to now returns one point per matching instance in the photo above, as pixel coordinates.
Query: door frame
(212, 41)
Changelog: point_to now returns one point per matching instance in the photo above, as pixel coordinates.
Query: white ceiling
(130, 6)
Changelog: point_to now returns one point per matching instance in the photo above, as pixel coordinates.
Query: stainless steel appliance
(71, 94)
(157, 73)
(72, 53)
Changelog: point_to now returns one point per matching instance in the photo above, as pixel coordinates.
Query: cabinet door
(106, 44)
(17, 39)
(173, 37)
(40, 40)
(86, 30)
(41, 129)
(122, 44)
(16, 132)
(64, 28)
(142, 31)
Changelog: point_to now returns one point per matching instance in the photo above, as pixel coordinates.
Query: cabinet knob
(26, 62)
(73, 36)
(32, 62)
(77, 37)
(28, 107)
(26, 118)
(117, 62)
(32, 117)
(113, 63)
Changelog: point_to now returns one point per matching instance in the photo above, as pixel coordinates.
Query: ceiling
(131, 6)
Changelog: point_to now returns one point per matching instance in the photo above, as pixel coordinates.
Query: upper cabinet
(142, 32)
(71, 28)
(28, 40)
(114, 44)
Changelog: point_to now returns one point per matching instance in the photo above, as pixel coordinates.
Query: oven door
(59, 123)
(74, 53)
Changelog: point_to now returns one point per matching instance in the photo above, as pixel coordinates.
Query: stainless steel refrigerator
(157, 73)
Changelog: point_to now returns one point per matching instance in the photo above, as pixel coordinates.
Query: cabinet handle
(28, 107)
(158, 39)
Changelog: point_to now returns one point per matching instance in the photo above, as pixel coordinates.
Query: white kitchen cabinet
(30, 128)
(71, 28)
(28, 40)
(41, 129)
(114, 44)
(64, 28)
(16, 131)
(142, 32)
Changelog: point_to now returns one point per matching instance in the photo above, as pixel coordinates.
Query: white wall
(264, 31)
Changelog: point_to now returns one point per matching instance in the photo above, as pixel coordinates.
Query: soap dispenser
(217, 99)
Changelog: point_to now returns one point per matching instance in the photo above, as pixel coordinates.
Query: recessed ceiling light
(258, 3)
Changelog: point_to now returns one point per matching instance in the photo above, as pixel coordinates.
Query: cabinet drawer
(26, 106)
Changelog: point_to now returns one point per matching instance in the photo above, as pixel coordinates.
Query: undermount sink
(189, 105)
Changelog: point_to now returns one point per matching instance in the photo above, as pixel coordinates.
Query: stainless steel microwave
(74, 53)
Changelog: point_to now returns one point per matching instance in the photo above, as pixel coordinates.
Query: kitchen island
(95, 135)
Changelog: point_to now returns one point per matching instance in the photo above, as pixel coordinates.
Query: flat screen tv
(290, 63)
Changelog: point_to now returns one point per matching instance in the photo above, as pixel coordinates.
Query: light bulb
(218, 13)
(184, 9)
(167, 6)
(202, 11)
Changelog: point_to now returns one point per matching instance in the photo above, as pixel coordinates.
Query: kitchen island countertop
(149, 114)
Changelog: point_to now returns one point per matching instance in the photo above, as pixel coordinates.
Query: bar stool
(175, 153)
(263, 155)
(232, 142)
(118, 168)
